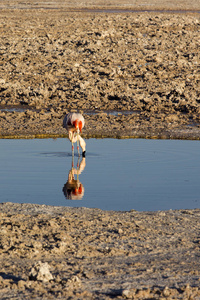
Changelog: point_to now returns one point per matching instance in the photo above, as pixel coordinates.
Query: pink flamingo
(74, 123)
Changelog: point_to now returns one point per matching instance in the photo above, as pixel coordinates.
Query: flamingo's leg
(78, 166)
(78, 142)
(71, 138)
(72, 155)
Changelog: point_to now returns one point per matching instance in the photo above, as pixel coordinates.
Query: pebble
(40, 272)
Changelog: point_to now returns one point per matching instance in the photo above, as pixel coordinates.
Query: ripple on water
(145, 175)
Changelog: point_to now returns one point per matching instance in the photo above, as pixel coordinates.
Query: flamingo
(73, 188)
(74, 122)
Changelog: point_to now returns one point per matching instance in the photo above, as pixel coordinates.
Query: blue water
(145, 175)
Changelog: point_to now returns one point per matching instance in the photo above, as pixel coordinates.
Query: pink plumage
(72, 119)
(74, 122)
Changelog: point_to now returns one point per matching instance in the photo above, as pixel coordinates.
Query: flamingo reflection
(73, 188)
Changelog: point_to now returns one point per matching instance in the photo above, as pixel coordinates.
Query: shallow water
(144, 175)
(55, 5)
(87, 112)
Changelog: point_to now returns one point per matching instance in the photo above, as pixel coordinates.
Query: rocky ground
(130, 74)
(78, 253)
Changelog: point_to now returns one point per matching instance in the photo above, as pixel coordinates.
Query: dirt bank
(94, 254)
(56, 61)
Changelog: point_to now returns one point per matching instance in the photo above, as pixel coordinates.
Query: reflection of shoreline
(116, 7)
(73, 188)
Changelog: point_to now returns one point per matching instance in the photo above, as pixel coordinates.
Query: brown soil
(56, 61)
(94, 254)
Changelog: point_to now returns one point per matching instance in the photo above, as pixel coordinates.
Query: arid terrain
(94, 254)
(133, 69)
(130, 74)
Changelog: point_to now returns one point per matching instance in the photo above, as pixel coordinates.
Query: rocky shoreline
(103, 65)
(78, 253)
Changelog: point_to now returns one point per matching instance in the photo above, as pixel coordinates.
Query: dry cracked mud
(103, 64)
(132, 73)
(95, 254)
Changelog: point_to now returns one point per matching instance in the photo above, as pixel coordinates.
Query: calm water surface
(116, 174)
